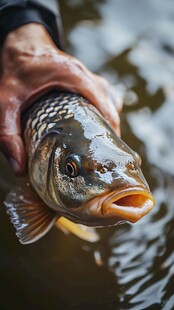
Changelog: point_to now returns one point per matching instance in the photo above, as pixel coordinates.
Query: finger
(95, 88)
(11, 143)
(83, 84)
(13, 148)
(73, 76)
(103, 101)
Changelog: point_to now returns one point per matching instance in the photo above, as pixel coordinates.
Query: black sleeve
(15, 13)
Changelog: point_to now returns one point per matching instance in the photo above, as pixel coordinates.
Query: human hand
(31, 65)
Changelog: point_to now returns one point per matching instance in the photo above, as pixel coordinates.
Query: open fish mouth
(129, 204)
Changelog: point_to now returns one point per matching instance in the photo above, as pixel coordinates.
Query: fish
(80, 173)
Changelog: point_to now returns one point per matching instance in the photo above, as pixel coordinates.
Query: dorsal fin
(31, 217)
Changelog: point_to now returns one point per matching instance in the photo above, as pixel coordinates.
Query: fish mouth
(126, 204)
(129, 204)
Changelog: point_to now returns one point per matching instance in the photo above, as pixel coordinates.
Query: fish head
(95, 178)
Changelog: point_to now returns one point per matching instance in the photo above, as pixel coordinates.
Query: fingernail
(14, 164)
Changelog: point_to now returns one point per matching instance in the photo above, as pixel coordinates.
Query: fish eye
(72, 165)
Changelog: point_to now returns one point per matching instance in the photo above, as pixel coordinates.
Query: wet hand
(30, 66)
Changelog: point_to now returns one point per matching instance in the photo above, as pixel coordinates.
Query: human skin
(31, 65)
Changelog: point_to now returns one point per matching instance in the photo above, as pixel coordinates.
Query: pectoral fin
(31, 217)
(82, 231)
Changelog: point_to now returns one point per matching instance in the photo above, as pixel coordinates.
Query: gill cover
(40, 162)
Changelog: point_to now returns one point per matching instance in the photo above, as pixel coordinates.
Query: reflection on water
(133, 266)
(156, 130)
(141, 257)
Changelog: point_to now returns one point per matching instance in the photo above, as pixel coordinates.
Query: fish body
(79, 168)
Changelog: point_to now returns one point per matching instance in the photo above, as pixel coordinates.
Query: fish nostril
(101, 168)
(131, 166)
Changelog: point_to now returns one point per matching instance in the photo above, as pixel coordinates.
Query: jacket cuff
(14, 17)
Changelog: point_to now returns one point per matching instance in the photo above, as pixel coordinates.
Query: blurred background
(131, 43)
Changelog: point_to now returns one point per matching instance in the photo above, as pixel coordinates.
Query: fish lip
(101, 211)
(109, 208)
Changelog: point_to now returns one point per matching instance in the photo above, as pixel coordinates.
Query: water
(132, 267)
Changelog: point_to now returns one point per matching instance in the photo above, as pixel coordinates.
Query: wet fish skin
(78, 167)
(76, 129)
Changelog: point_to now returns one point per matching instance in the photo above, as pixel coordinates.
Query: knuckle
(77, 68)
(77, 64)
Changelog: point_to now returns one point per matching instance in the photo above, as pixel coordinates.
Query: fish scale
(79, 171)
(46, 115)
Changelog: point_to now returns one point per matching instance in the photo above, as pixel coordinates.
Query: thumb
(13, 148)
(11, 143)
